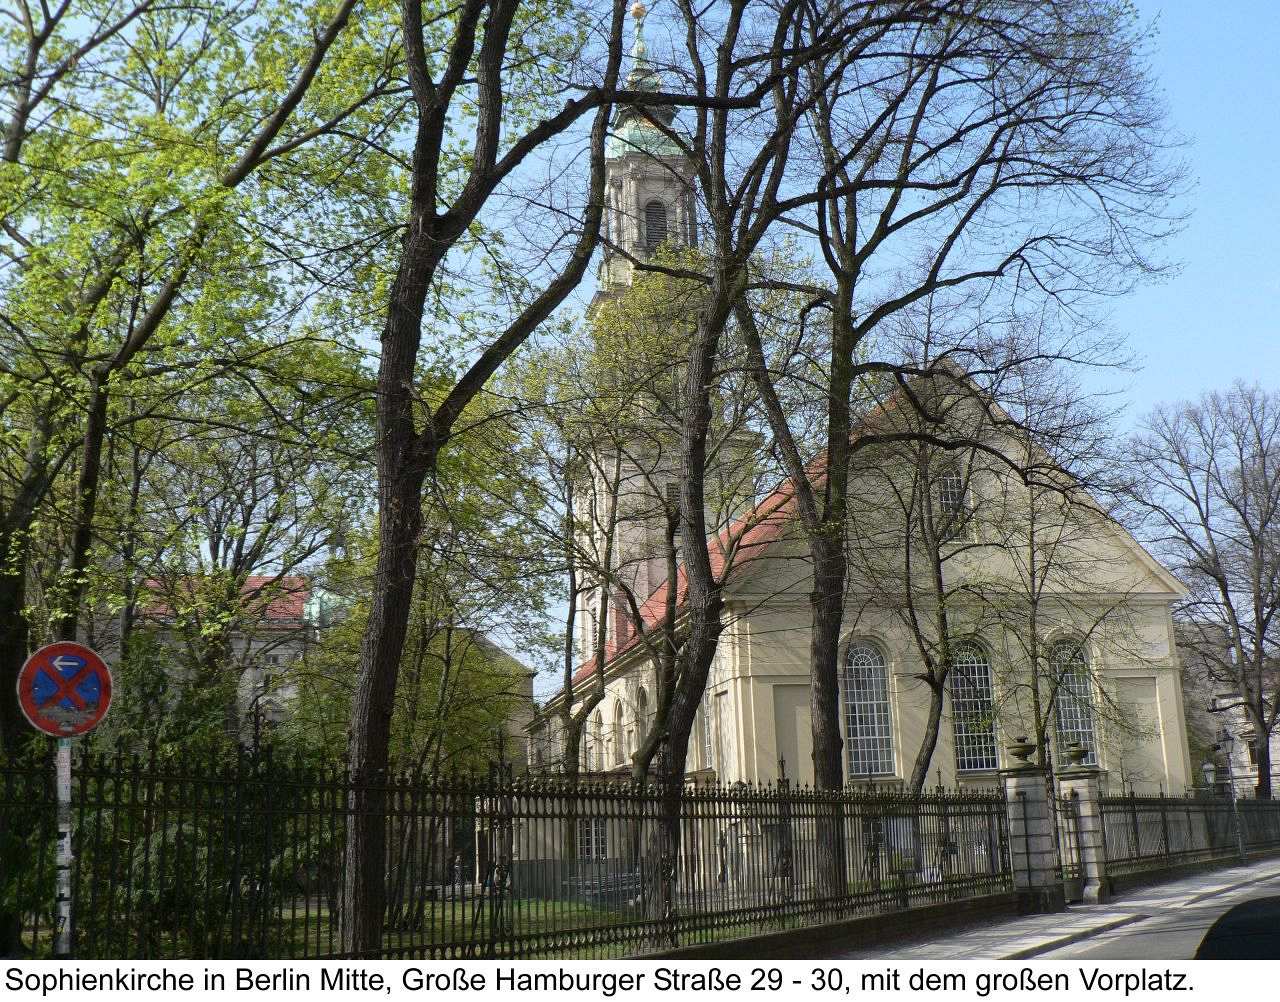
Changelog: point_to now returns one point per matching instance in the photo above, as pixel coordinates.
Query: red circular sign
(64, 689)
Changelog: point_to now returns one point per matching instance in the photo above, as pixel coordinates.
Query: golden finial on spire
(639, 51)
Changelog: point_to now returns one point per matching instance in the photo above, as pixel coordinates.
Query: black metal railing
(246, 860)
(1067, 812)
(1148, 833)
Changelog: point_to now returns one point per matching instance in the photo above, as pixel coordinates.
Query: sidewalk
(1033, 935)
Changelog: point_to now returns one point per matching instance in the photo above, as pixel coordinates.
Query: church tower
(649, 202)
(649, 180)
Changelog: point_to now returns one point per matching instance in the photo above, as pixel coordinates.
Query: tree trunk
(86, 503)
(827, 606)
(704, 598)
(1263, 788)
(13, 731)
(370, 735)
(929, 743)
(13, 647)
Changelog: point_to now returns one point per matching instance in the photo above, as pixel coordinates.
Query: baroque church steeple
(649, 191)
(648, 203)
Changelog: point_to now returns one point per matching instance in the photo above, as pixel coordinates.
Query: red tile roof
(743, 540)
(285, 596)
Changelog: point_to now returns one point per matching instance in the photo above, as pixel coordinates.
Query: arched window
(655, 225)
(972, 695)
(868, 729)
(642, 715)
(707, 758)
(597, 743)
(1070, 668)
(617, 733)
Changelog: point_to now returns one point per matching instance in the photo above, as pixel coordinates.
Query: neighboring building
(279, 618)
(1213, 706)
(273, 629)
(515, 732)
(1122, 691)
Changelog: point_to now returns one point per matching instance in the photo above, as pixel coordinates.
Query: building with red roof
(1104, 616)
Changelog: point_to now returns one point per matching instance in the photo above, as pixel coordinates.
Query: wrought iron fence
(246, 860)
(1067, 812)
(1147, 833)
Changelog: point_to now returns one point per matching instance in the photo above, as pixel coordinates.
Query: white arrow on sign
(67, 661)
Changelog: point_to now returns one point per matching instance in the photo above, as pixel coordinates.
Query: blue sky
(1218, 65)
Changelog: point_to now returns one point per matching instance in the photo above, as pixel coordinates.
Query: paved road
(1176, 925)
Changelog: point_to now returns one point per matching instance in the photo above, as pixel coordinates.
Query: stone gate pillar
(1080, 785)
(1037, 877)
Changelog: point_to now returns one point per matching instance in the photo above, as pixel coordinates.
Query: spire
(632, 131)
(642, 73)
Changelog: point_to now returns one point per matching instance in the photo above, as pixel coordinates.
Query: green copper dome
(632, 132)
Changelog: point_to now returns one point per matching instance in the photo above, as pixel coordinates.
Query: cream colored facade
(756, 710)
(1110, 599)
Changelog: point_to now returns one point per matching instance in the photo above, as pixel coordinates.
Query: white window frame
(951, 491)
(593, 838)
(1074, 717)
(866, 712)
(972, 699)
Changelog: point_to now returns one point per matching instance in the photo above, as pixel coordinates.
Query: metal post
(1235, 810)
(1164, 825)
(62, 936)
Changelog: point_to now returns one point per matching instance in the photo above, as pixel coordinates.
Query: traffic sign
(64, 689)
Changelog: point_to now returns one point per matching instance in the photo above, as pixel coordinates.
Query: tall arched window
(1070, 668)
(597, 743)
(868, 729)
(642, 715)
(972, 696)
(655, 225)
(707, 758)
(617, 733)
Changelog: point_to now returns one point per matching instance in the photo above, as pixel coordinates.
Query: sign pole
(62, 939)
(64, 690)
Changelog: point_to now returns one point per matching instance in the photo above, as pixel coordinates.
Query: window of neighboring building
(1253, 753)
(868, 729)
(593, 838)
(1070, 666)
(972, 698)
(655, 225)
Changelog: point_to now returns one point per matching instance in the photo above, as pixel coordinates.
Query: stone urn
(1076, 753)
(1022, 750)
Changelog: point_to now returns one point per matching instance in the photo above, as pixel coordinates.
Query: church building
(1083, 648)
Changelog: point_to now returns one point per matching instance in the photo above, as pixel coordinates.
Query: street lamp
(1227, 742)
(1210, 772)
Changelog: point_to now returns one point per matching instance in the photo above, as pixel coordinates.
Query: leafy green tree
(144, 145)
